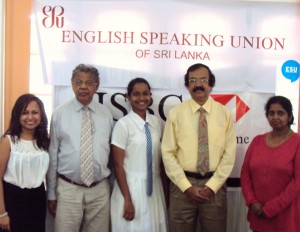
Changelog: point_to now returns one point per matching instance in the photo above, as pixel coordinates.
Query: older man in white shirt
(78, 205)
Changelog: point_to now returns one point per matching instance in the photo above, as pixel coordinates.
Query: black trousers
(26, 208)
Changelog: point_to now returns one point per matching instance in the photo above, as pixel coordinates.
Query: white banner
(244, 44)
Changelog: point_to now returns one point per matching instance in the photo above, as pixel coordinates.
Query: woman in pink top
(270, 176)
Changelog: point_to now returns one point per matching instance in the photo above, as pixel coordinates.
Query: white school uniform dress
(150, 212)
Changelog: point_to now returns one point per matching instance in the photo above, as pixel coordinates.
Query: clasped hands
(257, 209)
(198, 194)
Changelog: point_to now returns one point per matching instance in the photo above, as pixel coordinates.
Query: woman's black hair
(135, 81)
(15, 127)
(285, 103)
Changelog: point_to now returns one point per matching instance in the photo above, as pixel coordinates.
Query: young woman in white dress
(132, 208)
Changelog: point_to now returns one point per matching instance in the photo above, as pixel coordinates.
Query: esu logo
(290, 70)
(54, 16)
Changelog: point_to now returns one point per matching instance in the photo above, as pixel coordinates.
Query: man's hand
(52, 207)
(196, 194)
(207, 192)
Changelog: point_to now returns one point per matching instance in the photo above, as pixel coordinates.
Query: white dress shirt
(64, 147)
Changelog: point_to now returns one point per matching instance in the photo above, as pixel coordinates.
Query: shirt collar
(139, 121)
(78, 105)
(195, 106)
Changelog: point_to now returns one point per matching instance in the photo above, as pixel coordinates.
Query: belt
(72, 182)
(198, 175)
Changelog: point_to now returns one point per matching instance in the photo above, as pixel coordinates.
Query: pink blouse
(271, 176)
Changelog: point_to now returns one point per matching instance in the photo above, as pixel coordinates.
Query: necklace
(279, 140)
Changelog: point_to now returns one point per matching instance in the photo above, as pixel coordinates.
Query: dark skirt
(26, 208)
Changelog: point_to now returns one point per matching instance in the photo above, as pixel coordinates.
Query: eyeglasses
(87, 83)
(202, 80)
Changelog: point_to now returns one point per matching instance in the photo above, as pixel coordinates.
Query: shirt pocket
(217, 138)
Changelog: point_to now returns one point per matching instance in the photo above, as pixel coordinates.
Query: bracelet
(3, 215)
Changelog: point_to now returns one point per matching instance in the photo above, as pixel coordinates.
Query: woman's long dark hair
(15, 127)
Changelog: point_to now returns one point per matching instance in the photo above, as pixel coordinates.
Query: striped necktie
(149, 159)
(203, 152)
(86, 149)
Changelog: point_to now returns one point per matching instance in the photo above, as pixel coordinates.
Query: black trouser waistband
(72, 182)
(199, 175)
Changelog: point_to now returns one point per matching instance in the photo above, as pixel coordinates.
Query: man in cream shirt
(194, 197)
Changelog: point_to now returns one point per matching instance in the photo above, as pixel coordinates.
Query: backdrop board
(251, 47)
(244, 43)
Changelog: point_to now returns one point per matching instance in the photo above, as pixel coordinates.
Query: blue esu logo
(290, 70)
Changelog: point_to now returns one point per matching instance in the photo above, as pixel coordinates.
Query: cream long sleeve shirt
(180, 143)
